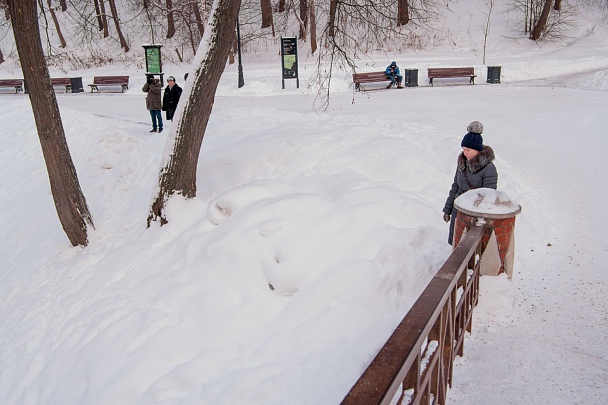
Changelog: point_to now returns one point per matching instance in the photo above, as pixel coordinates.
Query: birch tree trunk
(178, 173)
(69, 200)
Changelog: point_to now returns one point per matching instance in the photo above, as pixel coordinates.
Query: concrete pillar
(498, 211)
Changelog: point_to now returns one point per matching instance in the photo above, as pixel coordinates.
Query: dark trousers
(156, 116)
(169, 114)
(393, 77)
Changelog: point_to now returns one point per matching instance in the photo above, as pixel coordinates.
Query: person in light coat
(475, 169)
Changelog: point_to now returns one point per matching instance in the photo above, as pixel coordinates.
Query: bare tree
(198, 18)
(486, 28)
(123, 41)
(170, 20)
(303, 19)
(98, 15)
(542, 21)
(55, 22)
(70, 202)
(266, 7)
(104, 18)
(558, 5)
(313, 27)
(178, 175)
(403, 12)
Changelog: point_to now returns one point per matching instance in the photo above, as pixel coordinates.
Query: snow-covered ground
(311, 235)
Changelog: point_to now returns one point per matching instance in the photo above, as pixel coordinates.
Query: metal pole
(238, 37)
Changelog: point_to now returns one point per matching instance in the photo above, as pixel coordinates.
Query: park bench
(17, 84)
(370, 77)
(62, 81)
(122, 81)
(444, 73)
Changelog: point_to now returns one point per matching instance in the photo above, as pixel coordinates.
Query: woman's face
(470, 153)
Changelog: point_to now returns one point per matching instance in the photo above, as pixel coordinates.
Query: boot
(153, 130)
(389, 85)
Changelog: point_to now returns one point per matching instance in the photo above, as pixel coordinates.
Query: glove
(446, 217)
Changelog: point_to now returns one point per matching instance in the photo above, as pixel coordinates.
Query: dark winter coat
(153, 98)
(170, 99)
(480, 172)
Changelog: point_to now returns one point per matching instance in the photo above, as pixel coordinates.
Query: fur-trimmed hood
(484, 158)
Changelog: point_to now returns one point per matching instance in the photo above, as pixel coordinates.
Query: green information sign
(153, 60)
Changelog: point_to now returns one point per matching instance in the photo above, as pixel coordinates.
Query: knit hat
(475, 127)
(171, 78)
(393, 63)
(472, 140)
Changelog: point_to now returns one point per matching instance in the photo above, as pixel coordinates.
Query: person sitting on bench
(392, 73)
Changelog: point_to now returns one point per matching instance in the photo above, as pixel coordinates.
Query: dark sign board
(289, 59)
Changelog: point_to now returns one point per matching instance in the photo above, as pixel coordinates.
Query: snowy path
(552, 345)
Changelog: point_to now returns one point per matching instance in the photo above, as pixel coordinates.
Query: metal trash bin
(76, 84)
(493, 74)
(411, 78)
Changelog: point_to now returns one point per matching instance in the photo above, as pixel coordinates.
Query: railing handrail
(400, 361)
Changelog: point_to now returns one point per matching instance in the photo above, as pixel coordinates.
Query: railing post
(498, 211)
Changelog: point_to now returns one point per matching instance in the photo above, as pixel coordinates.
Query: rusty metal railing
(415, 365)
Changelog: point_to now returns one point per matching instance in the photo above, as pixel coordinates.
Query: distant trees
(69, 200)
(543, 19)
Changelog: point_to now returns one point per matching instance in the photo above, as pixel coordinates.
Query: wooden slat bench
(444, 73)
(370, 77)
(122, 81)
(17, 84)
(62, 81)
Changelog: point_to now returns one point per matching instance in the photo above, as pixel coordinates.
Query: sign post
(154, 63)
(289, 59)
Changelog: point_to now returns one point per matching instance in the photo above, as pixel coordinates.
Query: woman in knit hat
(474, 170)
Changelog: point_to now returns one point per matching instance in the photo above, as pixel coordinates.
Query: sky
(311, 235)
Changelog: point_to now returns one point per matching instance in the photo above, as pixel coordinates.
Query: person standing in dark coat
(474, 170)
(171, 98)
(153, 103)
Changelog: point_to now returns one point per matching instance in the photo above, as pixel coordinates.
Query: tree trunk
(69, 200)
(178, 174)
(542, 21)
(170, 20)
(199, 19)
(123, 42)
(304, 19)
(403, 12)
(104, 17)
(558, 5)
(266, 7)
(1, 57)
(98, 15)
(57, 27)
(333, 8)
(281, 7)
(313, 28)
